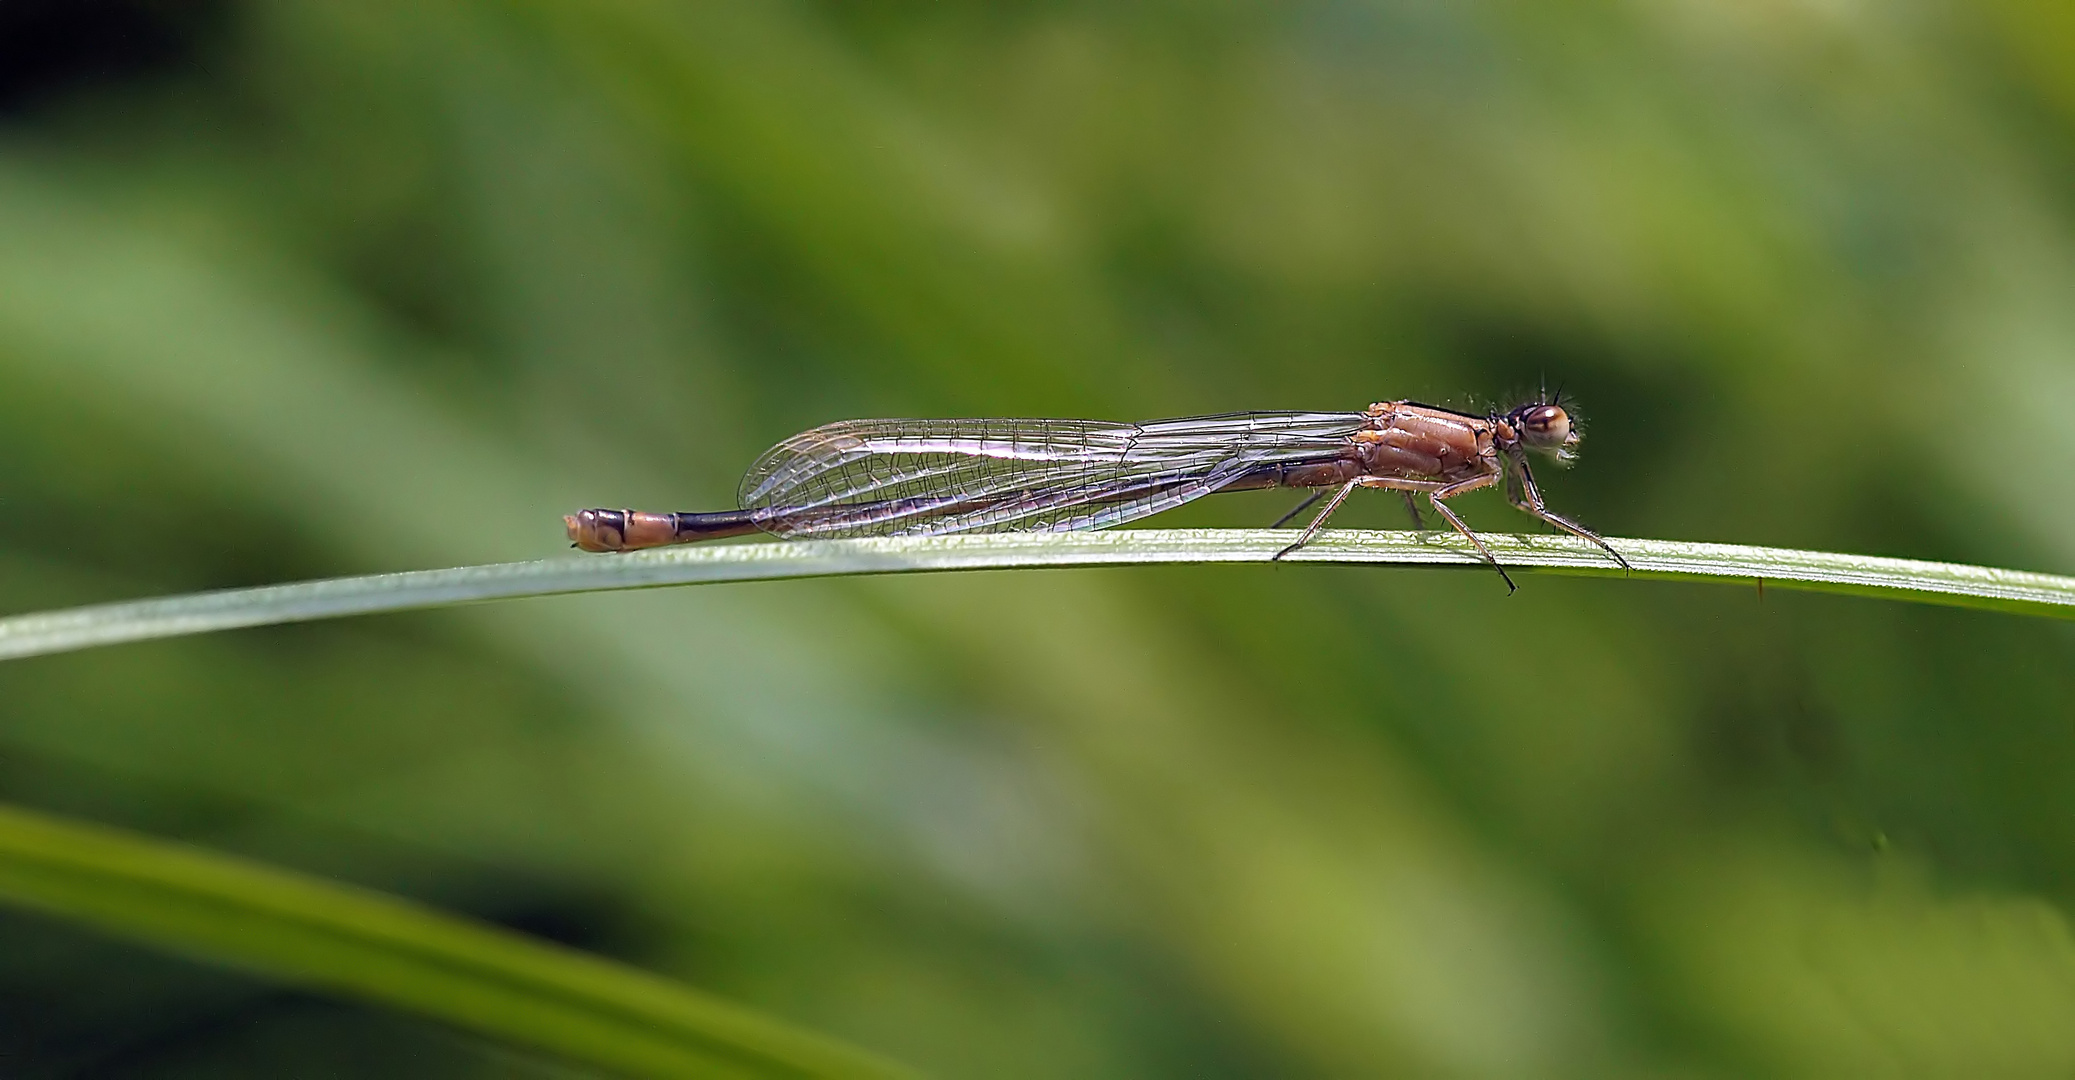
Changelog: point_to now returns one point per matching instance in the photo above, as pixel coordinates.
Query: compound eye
(1545, 426)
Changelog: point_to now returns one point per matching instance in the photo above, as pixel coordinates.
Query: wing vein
(929, 477)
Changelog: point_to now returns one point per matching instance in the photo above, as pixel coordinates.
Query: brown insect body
(1397, 445)
(1420, 442)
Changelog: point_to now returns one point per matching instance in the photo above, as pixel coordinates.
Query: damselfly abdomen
(934, 477)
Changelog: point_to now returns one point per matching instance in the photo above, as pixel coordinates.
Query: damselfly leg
(1435, 491)
(1299, 508)
(1527, 497)
(1319, 522)
(1452, 490)
(1412, 507)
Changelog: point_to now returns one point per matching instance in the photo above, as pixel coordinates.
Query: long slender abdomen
(1299, 474)
(632, 530)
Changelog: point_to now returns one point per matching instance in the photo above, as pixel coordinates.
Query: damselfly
(933, 477)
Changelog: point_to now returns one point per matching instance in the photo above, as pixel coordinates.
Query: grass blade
(368, 945)
(1899, 579)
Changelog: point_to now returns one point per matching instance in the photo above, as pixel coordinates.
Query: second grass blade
(383, 949)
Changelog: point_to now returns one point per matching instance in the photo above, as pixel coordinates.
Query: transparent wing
(929, 477)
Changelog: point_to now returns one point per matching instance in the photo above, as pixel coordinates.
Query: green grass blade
(1900, 579)
(380, 948)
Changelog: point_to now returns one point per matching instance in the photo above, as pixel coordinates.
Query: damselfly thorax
(936, 477)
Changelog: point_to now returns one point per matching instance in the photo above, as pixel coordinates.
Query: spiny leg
(1300, 508)
(1577, 530)
(1529, 500)
(1440, 507)
(1412, 507)
(1319, 522)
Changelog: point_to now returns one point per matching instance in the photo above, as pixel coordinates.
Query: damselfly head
(1545, 427)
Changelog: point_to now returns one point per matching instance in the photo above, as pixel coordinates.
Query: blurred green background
(316, 288)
